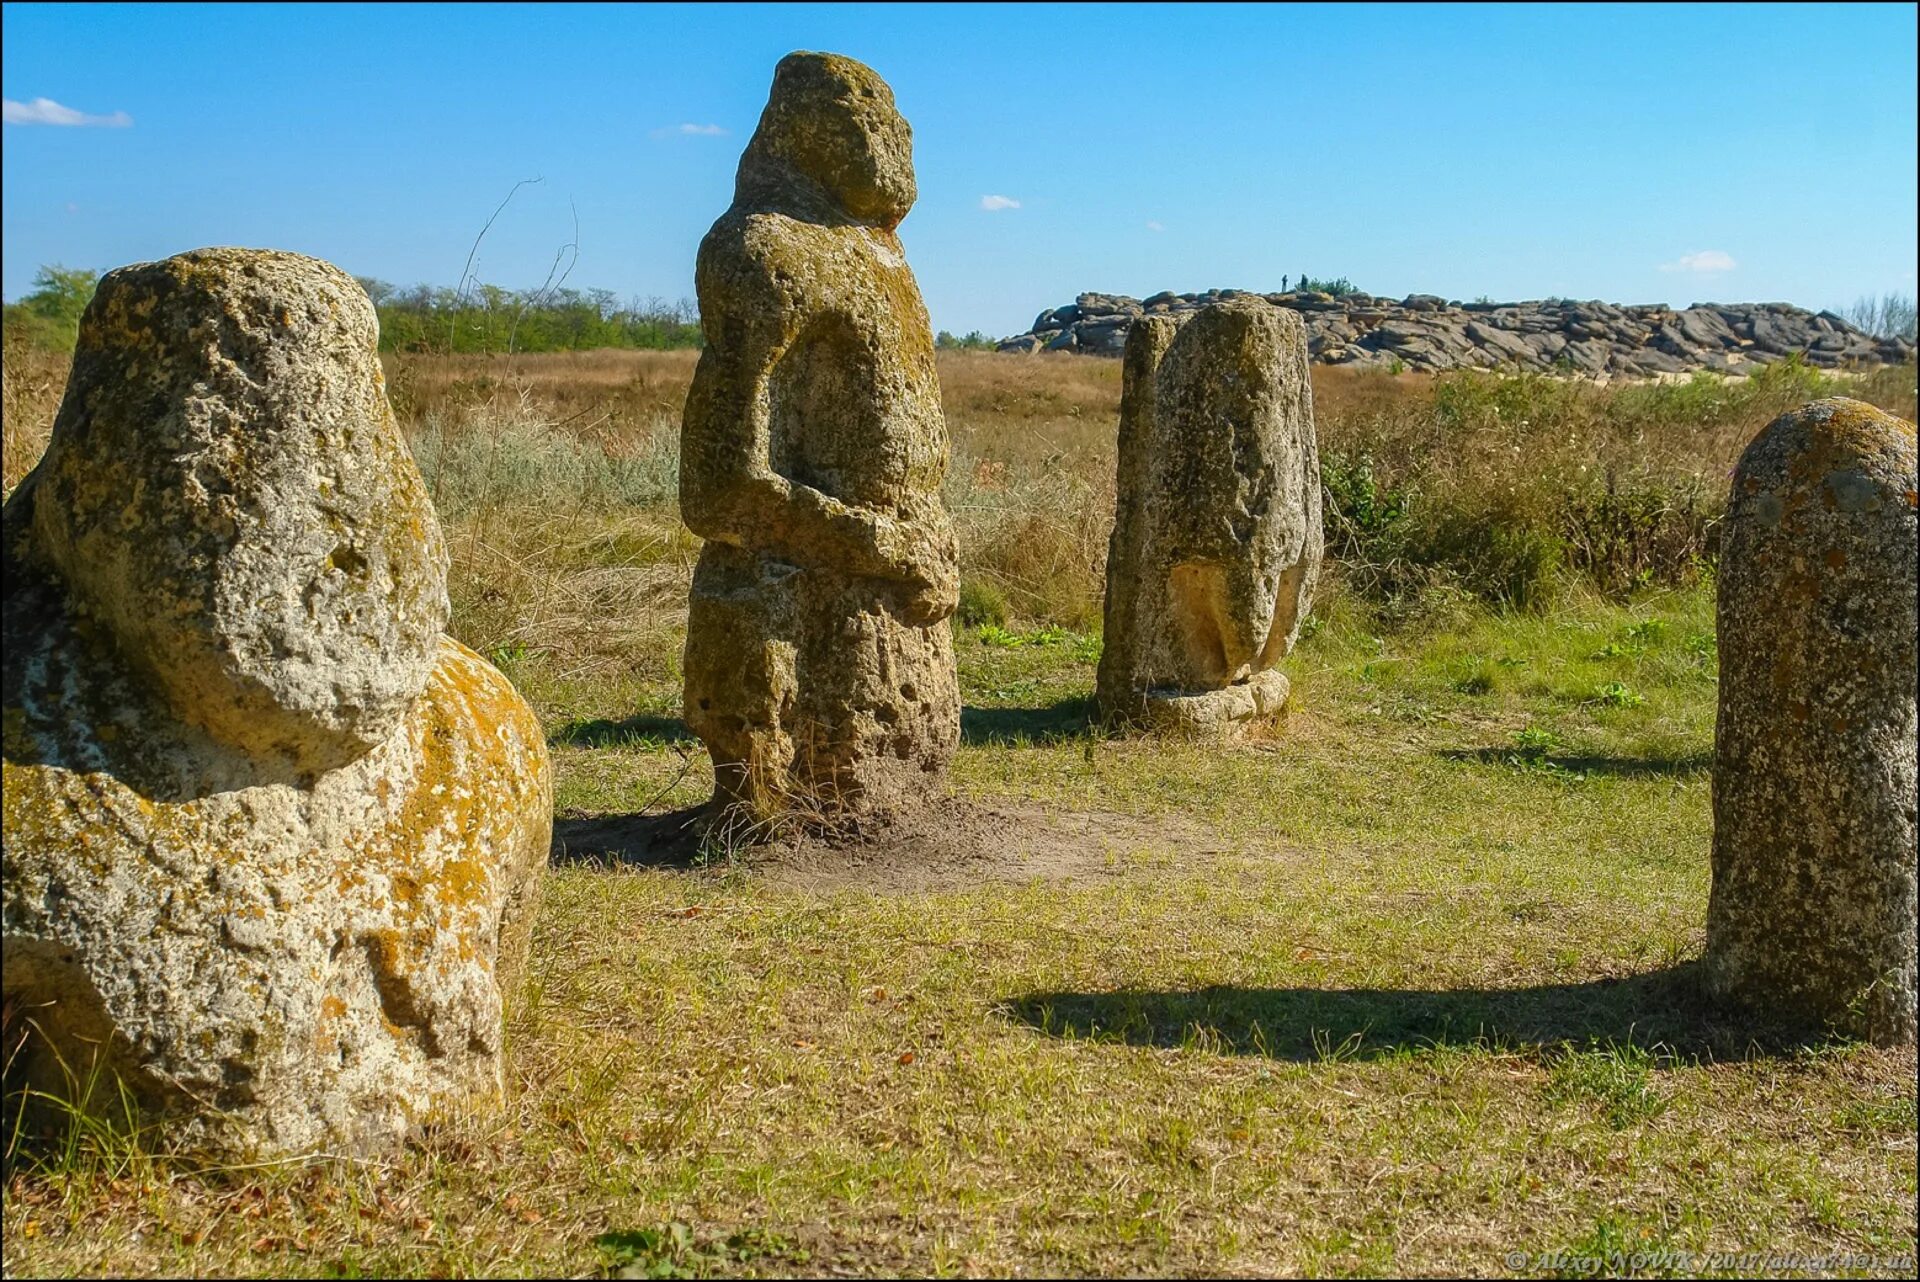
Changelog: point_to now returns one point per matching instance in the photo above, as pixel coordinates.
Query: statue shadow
(1664, 1010)
(645, 730)
(667, 840)
(1068, 719)
(1073, 718)
(1619, 767)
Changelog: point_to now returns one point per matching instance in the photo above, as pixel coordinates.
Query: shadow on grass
(1663, 1009)
(645, 729)
(1622, 767)
(1068, 719)
(669, 840)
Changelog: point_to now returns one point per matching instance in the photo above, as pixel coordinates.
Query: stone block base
(1218, 714)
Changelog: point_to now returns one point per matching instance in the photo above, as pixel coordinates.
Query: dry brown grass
(555, 474)
(1510, 485)
(612, 398)
(31, 381)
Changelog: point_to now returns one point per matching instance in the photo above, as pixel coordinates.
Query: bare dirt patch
(954, 844)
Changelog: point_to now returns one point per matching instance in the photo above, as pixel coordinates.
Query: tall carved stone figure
(1217, 540)
(819, 663)
(272, 842)
(1813, 909)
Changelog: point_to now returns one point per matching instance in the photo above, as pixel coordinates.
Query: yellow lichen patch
(1844, 444)
(332, 1009)
(448, 822)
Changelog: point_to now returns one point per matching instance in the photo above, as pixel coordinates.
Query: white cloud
(698, 131)
(45, 111)
(993, 204)
(1705, 260)
(1153, 224)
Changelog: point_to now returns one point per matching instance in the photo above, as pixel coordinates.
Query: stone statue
(1813, 910)
(819, 660)
(272, 842)
(1216, 540)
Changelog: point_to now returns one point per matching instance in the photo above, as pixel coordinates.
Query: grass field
(1400, 985)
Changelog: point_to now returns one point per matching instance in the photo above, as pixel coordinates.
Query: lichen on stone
(1813, 908)
(819, 664)
(271, 841)
(1217, 539)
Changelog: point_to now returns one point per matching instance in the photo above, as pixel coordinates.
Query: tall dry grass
(556, 476)
(31, 382)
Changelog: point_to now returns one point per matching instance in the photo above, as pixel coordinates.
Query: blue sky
(1632, 153)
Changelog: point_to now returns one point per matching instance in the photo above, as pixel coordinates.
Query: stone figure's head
(832, 120)
(226, 493)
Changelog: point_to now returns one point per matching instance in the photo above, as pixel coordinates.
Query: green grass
(1398, 986)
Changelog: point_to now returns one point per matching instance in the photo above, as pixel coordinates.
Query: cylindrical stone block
(1812, 916)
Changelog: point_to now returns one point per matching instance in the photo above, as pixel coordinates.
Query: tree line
(421, 318)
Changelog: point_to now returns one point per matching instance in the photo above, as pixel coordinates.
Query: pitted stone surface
(227, 492)
(819, 662)
(1813, 907)
(283, 957)
(1217, 540)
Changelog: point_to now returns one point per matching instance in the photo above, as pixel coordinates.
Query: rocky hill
(1424, 332)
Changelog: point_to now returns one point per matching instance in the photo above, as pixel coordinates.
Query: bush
(488, 318)
(1640, 531)
(1338, 286)
(1367, 523)
(1502, 547)
(973, 342)
(423, 318)
(981, 604)
(49, 316)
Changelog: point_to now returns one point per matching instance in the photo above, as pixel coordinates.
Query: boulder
(1428, 333)
(1501, 344)
(1812, 913)
(272, 843)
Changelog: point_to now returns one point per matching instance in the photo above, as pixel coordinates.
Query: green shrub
(1338, 286)
(1500, 547)
(976, 341)
(1628, 533)
(49, 316)
(1618, 694)
(981, 603)
(489, 318)
(1366, 521)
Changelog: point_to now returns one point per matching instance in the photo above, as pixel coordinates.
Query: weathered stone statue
(1813, 909)
(272, 842)
(1216, 537)
(819, 662)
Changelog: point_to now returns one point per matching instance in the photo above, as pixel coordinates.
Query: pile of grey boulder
(1424, 332)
